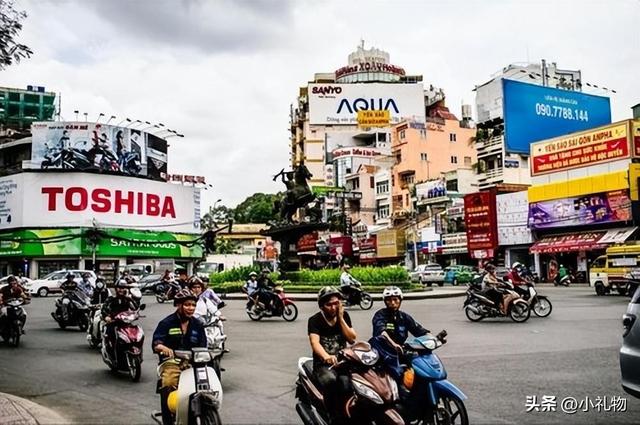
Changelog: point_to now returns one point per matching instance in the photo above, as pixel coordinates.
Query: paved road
(497, 363)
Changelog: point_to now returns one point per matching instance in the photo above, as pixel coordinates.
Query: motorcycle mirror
(222, 304)
(142, 306)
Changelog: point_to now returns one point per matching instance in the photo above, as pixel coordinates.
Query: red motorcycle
(283, 307)
(125, 353)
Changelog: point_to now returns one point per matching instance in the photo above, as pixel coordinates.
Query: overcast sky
(225, 72)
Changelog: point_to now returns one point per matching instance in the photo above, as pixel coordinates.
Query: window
(382, 187)
(401, 135)
(406, 199)
(452, 137)
(383, 211)
(372, 182)
(423, 157)
(454, 159)
(452, 185)
(467, 160)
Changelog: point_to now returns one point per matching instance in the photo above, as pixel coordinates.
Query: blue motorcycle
(426, 396)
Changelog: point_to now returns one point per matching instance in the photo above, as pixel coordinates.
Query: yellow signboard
(374, 118)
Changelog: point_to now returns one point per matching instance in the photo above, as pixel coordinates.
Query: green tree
(225, 246)
(257, 208)
(216, 217)
(10, 26)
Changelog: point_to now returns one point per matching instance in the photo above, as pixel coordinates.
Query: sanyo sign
(338, 104)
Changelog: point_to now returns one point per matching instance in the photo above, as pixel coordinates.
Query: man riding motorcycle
(348, 284)
(100, 293)
(329, 332)
(391, 328)
(85, 285)
(265, 293)
(249, 288)
(490, 285)
(178, 331)
(11, 291)
(114, 305)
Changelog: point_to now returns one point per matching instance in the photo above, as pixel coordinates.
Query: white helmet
(391, 291)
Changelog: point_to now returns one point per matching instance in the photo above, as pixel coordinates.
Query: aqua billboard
(533, 113)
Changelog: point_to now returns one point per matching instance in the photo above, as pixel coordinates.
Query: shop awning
(617, 235)
(566, 243)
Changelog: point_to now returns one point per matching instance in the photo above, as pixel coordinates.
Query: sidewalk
(19, 411)
(427, 293)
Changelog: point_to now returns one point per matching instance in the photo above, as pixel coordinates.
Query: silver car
(630, 351)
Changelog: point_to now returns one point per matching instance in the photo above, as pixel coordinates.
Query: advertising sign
(156, 157)
(133, 243)
(374, 118)
(512, 211)
(40, 242)
(89, 146)
(10, 200)
(635, 133)
(591, 147)
(431, 189)
(533, 113)
(80, 199)
(338, 104)
(480, 222)
(597, 208)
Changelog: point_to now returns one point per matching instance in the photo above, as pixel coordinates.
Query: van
(609, 271)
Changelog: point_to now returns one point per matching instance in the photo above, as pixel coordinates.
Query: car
(458, 274)
(51, 282)
(630, 350)
(148, 283)
(3, 281)
(428, 273)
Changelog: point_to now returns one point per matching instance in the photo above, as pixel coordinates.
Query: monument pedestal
(288, 236)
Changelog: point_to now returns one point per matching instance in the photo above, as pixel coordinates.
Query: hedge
(237, 274)
(374, 275)
(234, 287)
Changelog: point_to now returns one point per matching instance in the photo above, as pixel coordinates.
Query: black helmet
(70, 276)
(182, 296)
(327, 292)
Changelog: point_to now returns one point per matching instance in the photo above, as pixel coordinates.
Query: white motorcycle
(94, 331)
(216, 338)
(199, 395)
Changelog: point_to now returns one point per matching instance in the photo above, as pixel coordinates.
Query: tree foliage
(10, 26)
(257, 208)
(216, 217)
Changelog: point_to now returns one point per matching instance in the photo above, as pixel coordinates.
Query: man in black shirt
(329, 332)
(114, 305)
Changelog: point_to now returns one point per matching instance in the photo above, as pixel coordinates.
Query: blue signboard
(533, 113)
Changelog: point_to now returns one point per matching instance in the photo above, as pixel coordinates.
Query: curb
(16, 410)
(421, 295)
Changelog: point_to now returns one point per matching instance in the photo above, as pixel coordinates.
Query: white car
(428, 274)
(51, 282)
(3, 281)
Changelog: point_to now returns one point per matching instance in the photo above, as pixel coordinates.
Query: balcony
(490, 147)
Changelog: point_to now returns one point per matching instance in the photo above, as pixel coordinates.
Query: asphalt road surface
(496, 363)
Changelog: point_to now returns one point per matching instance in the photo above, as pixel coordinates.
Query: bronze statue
(298, 194)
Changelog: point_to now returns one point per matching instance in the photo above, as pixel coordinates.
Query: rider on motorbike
(85, 284)
(115, 305)
(348, 284)
(391, 328)
(265, 292)
(490, 285)
(100, 293)
(204, 306)
(249, 288)
(329, 332)
(11, 291)
(178, 331)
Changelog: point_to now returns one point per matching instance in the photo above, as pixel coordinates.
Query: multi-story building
(19, 108)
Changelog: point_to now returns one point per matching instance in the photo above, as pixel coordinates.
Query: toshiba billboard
(80, 200)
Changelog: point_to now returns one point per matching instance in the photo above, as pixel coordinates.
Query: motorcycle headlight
(66, 301)
(201, 357)
(430, 344)
(367, 357)
(366, 392)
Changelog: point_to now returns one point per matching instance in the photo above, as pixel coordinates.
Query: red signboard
(341, 245)
(585, 241)
(367, 249)
(481, 223)
(307, 242)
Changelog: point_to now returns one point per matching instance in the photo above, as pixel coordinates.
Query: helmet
(11, 279)
(391, 291)
(182, 296)
(266, 270)
(70, 276)
(516, 265)
(327, 292)
(122, 284)
(195, 281)
(253, 274)
(489, 267)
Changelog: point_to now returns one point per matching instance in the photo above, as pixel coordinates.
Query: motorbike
(12, 324)
(72, 309)
(125, 353)
(286, 308)
(522, 283)
(357, 296)
(477, 306)
(131, 163)
(94, 331)
(52, 157)
(199, 395)
(426, 395)
(166, 291)
(216, 338)
(562, 281)
(375, 392)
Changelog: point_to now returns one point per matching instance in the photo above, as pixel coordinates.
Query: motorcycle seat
(308, 370)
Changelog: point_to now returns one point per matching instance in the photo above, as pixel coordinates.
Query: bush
(238, 274)
(366, 275)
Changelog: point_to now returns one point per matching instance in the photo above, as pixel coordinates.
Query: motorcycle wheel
(366, 302)
(210, 416)
(542, 307)
(290, 312)
(14, 336)
(254, 316)
(472, 315)
(160, 298)
(449, 411)
(519, 312)
(83, 322)
(62, 324)
(135, 368)
(216, 367)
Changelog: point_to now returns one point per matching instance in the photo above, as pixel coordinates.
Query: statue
(298, 194)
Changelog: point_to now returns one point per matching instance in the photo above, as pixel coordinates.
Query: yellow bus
(608, 272)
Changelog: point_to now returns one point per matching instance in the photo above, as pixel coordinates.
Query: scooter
(539, 304)
(125, 353)
(374, 397)
(216, 338)
(166, 291)
(562, 281)
(477, 306)
(72, 309)
(356, 296)
(94, 332)
(199, 395)
(426, 394)
(12, 324)
(287, 308)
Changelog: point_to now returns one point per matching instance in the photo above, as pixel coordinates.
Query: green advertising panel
(40, 242)
(135, 243)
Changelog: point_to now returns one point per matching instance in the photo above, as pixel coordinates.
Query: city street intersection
(498, 364)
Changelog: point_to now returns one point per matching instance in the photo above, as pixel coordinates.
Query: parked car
(456, 275)
(429, 273)
(3, 281)
(148, 283)
(630, 351)
(51, 282)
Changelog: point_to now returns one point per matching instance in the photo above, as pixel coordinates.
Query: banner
(156, 157)
(40, 242)
(512, 211)
(374, 118)
(89, 147)
(133, 243)
(480, 222)
(596, 146)
(597, 208)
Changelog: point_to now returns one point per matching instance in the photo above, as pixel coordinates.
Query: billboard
(597, 208)
(338, 104)
(582, 149)
(533, 113)
(512, 211)
(97, 147)
(480, 222)
(80, 200)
